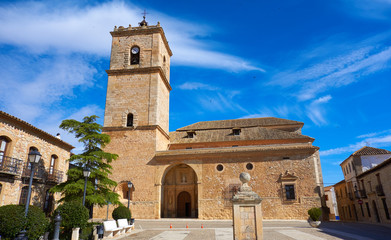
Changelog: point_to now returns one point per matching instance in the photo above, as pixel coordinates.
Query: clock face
(135, 50)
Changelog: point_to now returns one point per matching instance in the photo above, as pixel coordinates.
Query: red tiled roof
(370, 151)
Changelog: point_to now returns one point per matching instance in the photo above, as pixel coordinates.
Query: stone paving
(273, 230)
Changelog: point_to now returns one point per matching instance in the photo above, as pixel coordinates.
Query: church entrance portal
(183, 205)
(179, 192)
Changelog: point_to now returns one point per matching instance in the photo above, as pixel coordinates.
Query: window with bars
(290, 192)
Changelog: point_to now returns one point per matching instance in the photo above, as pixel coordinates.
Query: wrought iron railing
(363, 193)
(9, 165)
(13, 166)
(55, 176)
(39, 171)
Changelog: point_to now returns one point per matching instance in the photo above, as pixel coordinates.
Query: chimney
(58, 136)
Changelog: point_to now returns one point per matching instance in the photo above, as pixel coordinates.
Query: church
(193, 172)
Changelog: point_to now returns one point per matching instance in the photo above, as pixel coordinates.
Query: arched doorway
(179, 192)
(183, 205)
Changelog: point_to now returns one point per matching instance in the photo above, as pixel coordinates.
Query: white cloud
(375, 9)
(34, 85)
(45, 27)
(51, 122)
(219, 101)
(373, 134)
(316, 111)
(197, 86)
(378, 142)
(315, 75)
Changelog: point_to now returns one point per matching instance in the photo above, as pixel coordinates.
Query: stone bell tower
(137, 113)
(139, 78)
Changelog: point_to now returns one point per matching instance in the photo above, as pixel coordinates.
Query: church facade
(193, 171)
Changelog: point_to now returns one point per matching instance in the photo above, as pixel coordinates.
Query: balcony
(379, 190)
(11, 166)
(39, 171)
(55, 176)
(41, 174)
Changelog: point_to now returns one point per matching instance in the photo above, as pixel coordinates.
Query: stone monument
(247, 212)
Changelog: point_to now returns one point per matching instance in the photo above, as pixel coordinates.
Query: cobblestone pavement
(274, 230)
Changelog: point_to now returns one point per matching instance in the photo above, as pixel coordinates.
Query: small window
(1, 187)
(249, 166)
(219, 167)
(190, 134)
(135, 55)
(326, 197)
(236, 131)
(189, 148)
(129, 121)
(286, 158)
(235, 145)
(23, 195)
(290, 192)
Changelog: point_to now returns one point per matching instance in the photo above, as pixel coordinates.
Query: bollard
(57, 223)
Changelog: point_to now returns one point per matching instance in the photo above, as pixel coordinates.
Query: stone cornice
(146, 70)
(146, 127)
(36, 131)
(142, 31)
(212, 152)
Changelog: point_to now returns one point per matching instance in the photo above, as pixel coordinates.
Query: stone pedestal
(247, 212)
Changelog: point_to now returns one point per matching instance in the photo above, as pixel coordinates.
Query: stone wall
(22, 136)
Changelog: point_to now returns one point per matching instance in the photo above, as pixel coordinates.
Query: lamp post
(33, 157)
(130, 184)
(86, 173)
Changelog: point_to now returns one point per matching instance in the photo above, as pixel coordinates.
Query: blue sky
(325, 63)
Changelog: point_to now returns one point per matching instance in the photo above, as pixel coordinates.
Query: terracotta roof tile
(221, 135)
(240, 123)
(370, 151)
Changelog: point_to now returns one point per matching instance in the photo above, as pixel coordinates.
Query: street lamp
(130, 184)
(86, 173)
(34, 156)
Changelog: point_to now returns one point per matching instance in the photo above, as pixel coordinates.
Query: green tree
(99, 186)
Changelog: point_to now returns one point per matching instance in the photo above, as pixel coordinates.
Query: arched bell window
(134, 55)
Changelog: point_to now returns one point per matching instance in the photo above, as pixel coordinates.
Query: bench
(123, 223)
(111, 229)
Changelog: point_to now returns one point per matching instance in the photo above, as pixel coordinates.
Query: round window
(249, 166)
(220, 167)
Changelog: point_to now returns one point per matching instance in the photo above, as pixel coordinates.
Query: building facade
(331, 202)
(193, 171)
(17, 139)
(376, 184)
(362, 195)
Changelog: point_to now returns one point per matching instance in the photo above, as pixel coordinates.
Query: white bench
(123, 223)
(111, 229)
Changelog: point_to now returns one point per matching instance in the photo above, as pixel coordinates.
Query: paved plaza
(273, 230)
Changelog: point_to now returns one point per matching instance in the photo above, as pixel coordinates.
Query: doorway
(179, 192)
(184, 205)
(375, 210)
